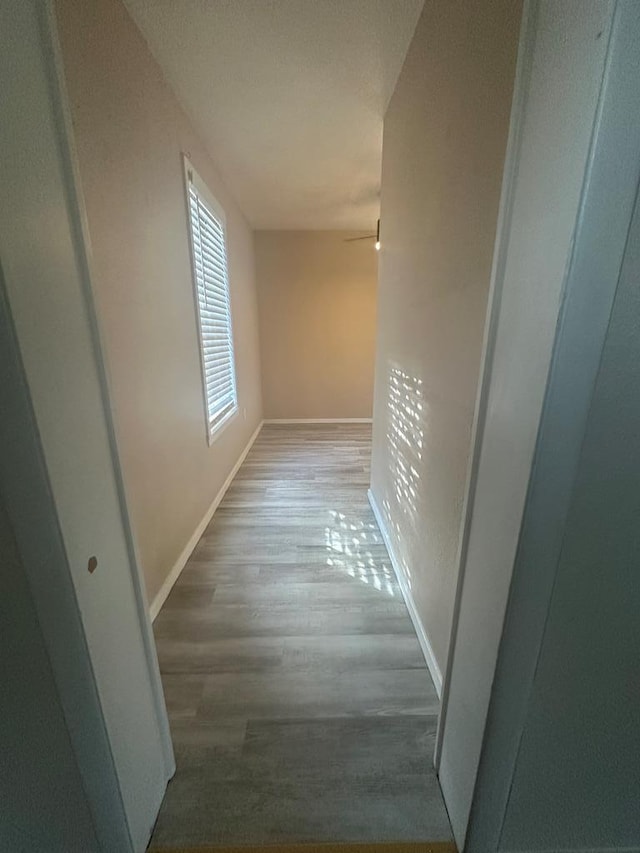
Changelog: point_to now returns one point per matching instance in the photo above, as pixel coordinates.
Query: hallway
(300, 705)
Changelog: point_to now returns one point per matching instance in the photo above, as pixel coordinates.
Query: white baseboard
(181, 562)
(317, 421)
(425, 645)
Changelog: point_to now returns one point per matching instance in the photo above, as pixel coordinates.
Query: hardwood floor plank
(237, 620)
(349, 653)
(293, 694)
(300, 704)
(299, 594)
(241, 654)
(212, 572)
(369, 750)
(182, 694)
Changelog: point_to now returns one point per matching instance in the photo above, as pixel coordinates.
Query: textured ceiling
(289, 97)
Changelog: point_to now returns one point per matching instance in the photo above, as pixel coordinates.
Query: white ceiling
(289, 97)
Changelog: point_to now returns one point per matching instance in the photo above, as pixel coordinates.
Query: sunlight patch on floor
(348, 544)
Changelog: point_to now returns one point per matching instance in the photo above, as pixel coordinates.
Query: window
(211, 286)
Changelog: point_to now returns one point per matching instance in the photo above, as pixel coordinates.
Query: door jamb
(80, 223)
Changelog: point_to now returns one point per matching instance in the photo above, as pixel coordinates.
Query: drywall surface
(317, 298)
(567, 45)
(130, 132)
(290, 94)
(445, 135)
(43, 803)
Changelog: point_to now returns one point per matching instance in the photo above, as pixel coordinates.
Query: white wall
(562, 61)
(49, 295)
(445, 135)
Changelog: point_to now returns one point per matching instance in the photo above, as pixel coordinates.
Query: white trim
(222, 424)
(318, 420)
(191, 176)
(82, 678)
(604, 218)
(423, 639)
(27, 501)
(78, 213)
(522, 75)
(84, 253)
(180, 563)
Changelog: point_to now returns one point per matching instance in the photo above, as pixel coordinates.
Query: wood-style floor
(300, 705)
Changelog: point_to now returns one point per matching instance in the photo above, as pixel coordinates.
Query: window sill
(214, 433)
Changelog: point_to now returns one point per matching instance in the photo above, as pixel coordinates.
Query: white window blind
(211, 282)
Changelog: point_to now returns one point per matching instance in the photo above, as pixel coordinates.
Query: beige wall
(445, 135)
(317, 297)
(130, 132)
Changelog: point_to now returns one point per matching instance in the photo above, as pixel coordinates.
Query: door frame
(49, 256)
(603, 215)
(84, 254)
(608, 201)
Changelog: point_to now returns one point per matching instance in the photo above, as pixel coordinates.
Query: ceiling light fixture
(375, 237)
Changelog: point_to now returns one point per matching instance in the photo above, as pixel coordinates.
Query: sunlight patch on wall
(405, 438)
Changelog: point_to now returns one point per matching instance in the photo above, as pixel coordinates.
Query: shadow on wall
(405, 438)
(349, 545)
